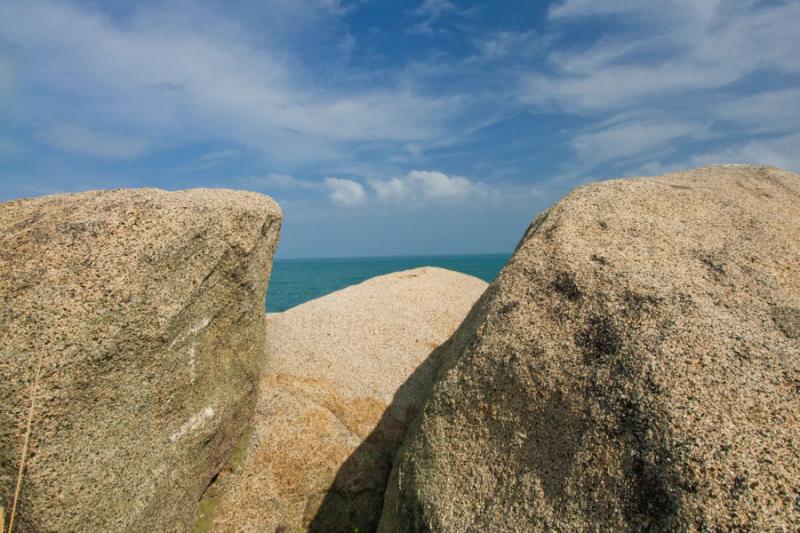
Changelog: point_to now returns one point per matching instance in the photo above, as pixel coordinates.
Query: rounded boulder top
(636, 366)
(369, 337)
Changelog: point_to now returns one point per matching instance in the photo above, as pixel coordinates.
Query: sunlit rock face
(345, 375)
(144, 311)
(635, 367)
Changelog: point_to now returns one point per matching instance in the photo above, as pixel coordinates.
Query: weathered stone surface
(635, 366)
(346, 373)
(145, 308)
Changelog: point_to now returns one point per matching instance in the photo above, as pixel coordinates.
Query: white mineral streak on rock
(193, 423)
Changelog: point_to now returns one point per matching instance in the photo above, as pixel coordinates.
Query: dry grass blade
(34, 388)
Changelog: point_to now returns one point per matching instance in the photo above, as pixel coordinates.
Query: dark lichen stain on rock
(714, 265)
(564, 284)
(599, 340)
(652, 503)
(738, 487)
(787, 319)
(637, 303)
(549, 232)
(507, 308)
(599, 259)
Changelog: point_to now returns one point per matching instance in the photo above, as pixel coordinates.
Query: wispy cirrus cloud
(430, 11)
(669, 75)
(501, 45)
(85, 141)
(630, 138)
(275, 181)
(781, 151)
(765, 111)
(675, 47)
(153, 75)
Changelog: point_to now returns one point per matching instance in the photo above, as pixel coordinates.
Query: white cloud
(503, 44)
(620, 86)
(78, 140)
(430, 11)
(779, 109)
(665, 75)
(422, 186)
(414, 189)
(344, 192)
(675, 46)
(669, 8)
(630, 138)
(434, 8)
(780, 151)
(161, 77)
(213, 159)
(279, 181)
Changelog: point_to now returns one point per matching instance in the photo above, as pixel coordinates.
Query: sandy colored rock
(346, 373)
(145, 308)
(635, 367)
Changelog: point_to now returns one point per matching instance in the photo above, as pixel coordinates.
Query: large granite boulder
(144, 309)
(635, 367)
(345, 375)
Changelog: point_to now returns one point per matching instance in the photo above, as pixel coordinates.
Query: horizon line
(394, 256)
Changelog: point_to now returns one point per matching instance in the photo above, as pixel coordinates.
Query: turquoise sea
(295, 281)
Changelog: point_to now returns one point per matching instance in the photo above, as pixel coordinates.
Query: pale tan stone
(635, 367)
(345, 375)
(146, 310)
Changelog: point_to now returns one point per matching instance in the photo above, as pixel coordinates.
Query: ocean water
(295, 281)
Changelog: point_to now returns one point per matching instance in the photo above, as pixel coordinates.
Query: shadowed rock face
(345, 375)
(635, 366)
(145, 308)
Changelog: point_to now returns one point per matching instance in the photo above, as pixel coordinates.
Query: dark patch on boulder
(738, 487)
(507, 308)
(637, 303)
(564, 284)
(714, 264)
(788, 321)
(599, 340)
(653, 501)
(548, 233)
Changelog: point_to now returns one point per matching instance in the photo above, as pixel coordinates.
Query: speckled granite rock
(323, 437)
(146, 309)
(635, 367)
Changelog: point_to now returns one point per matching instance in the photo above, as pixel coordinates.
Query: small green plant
(26, 443)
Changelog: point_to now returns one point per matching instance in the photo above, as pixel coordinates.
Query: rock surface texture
(345, 375)
(144, 309)
(635, 367)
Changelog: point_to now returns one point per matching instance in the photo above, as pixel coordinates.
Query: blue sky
(389, 127)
